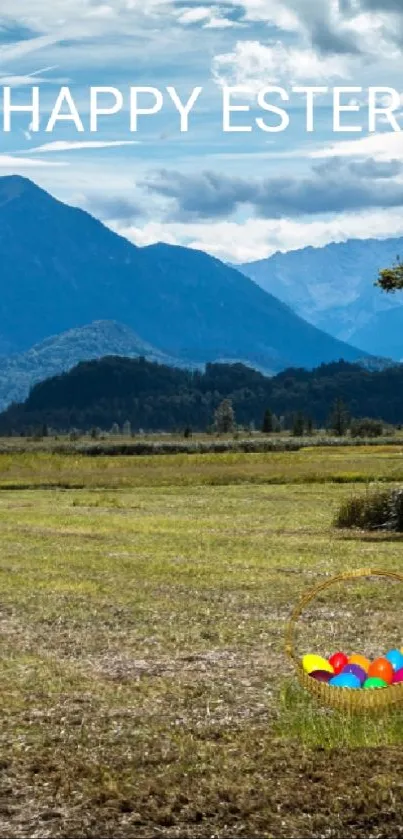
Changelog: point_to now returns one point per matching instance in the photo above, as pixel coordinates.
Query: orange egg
(360, 660)
(381, 668)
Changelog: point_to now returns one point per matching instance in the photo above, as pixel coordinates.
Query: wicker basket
(338, 697)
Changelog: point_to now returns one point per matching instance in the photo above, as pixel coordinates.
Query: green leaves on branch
(391, 279)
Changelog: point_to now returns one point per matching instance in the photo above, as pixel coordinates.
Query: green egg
(374, 682)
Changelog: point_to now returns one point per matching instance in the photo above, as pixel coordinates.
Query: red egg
(381, 668)
(338, 662)
(398, 677)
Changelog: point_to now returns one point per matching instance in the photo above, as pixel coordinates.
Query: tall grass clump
(300, 718)
(379, 509)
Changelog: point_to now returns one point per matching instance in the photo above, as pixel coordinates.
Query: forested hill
(153, 396)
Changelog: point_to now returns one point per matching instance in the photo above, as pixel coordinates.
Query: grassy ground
(143, 685)
(339, 464)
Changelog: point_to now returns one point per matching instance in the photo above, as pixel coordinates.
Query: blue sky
(238, 196)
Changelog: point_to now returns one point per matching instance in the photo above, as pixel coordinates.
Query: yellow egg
(311, 662)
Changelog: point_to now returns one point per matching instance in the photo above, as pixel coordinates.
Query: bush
(377, 510)
(366, 428)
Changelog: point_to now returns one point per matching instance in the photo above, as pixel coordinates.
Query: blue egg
(396, 659)
(345, 680)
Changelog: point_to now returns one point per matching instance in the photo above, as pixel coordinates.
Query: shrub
(380, 509)
(366, 428)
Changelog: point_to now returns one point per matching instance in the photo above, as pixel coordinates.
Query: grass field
(143, 686)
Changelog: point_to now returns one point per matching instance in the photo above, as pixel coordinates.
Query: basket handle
(307, 598)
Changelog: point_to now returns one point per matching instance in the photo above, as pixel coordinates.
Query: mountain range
(61, 269)
(333, 288)
(59, 353)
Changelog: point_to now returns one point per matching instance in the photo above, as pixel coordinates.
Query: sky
(241, 195)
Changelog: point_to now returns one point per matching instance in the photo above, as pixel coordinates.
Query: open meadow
(144, 688)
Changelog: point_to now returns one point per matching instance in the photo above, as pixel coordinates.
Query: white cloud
(258, 238)
(64, 145)
(194, 15)
(209, 16)
(13, 52)
(81, 18)
(29, 80)
(385, 146)
(276, 13)
(16, 163)
(252, 63)
(101, 12)
(217, 22)
(37, 77)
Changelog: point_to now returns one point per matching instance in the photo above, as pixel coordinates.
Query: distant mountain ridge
(59, 353)
(62, 269)
(333, 288)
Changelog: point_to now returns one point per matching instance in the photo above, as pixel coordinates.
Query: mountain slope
(59, 353)
(385, 330)
(61, 268)
(333, 288)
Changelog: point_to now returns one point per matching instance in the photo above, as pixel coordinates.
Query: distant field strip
(310, 465)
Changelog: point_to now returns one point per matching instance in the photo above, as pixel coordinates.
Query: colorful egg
(356, 670)
(345, 680)
(396, 659)
(360, 660)
(312, 662)
(338, 661)
(374, 682)
(398, 677)
(381, 668)
(321, 675)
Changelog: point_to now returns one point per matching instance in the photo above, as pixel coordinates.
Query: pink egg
(398, 677)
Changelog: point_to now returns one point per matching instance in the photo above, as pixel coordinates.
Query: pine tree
(225, 417)
(339, 419)
(127, 428)
(298, 425)
(268, 424)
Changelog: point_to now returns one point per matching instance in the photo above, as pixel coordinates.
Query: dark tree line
(154, 397)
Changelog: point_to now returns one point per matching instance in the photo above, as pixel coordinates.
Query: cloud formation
(334, 187)
(64, 145)
(185, 43)
(14, 164)
(114, 208)
(258, 238)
